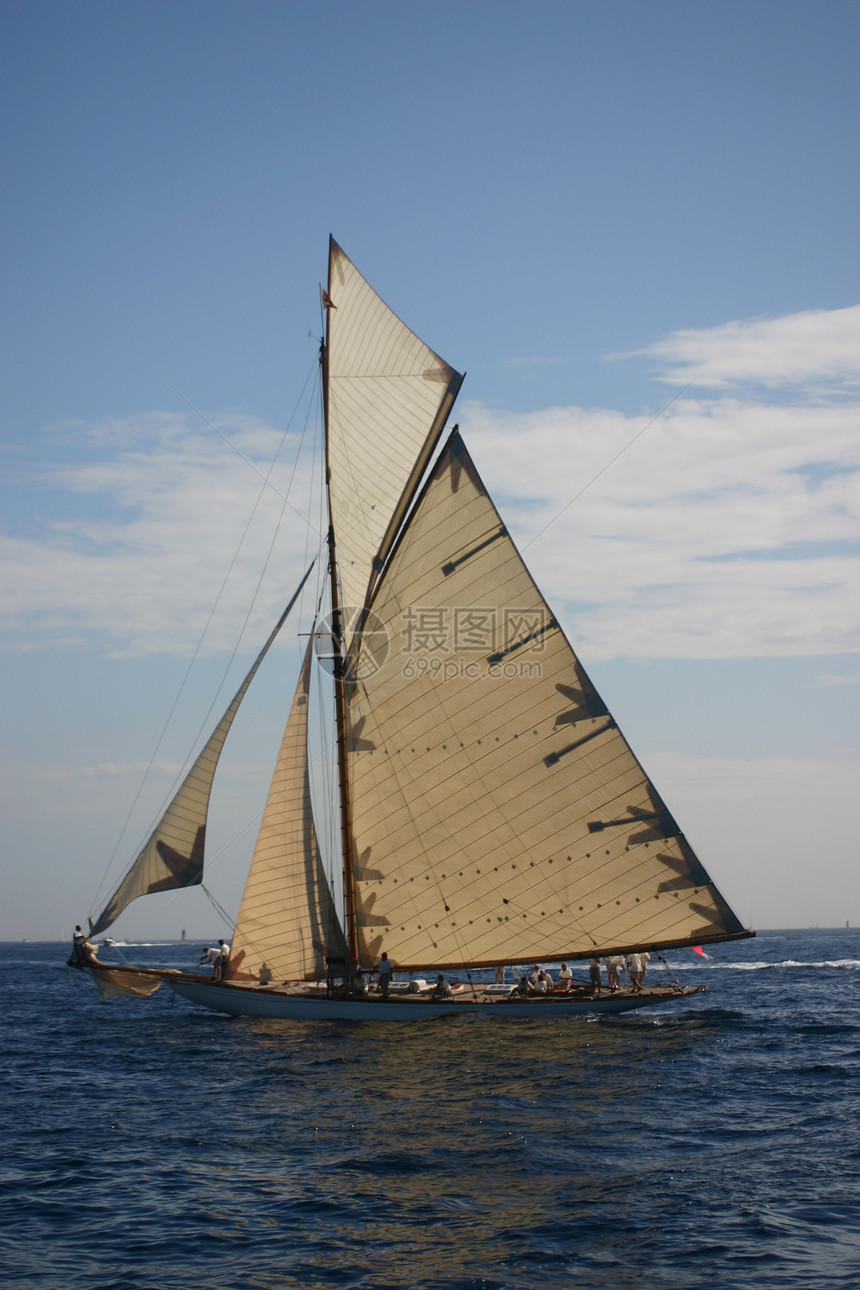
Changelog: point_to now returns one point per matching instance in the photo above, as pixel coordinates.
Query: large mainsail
(173, 855)
(287, 922)
(498, 814)
(388, 396)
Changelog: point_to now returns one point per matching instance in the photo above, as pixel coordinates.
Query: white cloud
(169, 507)
(730, 528)
(818, 345)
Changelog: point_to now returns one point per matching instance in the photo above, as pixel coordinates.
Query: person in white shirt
(613, 967)
(220, 969)
(565, 976)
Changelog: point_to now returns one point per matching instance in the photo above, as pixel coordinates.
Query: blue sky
(593, 209)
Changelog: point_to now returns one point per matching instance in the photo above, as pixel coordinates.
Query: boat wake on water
(850, 965)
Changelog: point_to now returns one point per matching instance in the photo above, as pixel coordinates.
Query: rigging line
(205, 722)
(194, 658)
(314, 490)
(203, 634)
(219, 908)
(178, 779)
(240, 455)
(211, 860)
(609, 463)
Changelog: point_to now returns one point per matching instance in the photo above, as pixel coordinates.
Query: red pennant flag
(697, 949)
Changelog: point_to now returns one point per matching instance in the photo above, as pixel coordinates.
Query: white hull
(253, 1001)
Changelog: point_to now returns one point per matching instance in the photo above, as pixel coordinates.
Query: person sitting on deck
(565, 977)
(358, 985)
(542, 985)
(442, 989)
(83, 950)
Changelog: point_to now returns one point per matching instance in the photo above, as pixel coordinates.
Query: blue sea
(149, 1145)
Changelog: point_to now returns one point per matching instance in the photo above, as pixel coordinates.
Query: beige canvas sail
(499, 815)
(388, 396)
(173, 855)
(287, 923)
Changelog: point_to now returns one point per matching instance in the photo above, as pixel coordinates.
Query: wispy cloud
(529, 362)
(813, 348)
(728, 530)
(170, 511)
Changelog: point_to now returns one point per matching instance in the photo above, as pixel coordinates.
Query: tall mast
(339, 659)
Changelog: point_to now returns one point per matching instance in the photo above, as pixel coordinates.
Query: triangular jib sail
(498, 813)
(173, 855)
(287, 923)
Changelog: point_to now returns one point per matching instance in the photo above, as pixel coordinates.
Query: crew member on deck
(83, 950)
(442, 989)
(594, 972)
(565, 977)
(614, 964)
(212, 956)
(384, 969)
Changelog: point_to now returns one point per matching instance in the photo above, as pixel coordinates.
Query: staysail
(498, 814)
(387, 398)
(173, 855)
(287, 922)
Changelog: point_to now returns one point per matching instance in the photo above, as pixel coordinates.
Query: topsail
(388, 397)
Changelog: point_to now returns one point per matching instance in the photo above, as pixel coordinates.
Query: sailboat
(490, 811)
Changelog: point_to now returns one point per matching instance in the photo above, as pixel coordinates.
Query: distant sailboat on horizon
(489, 809)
